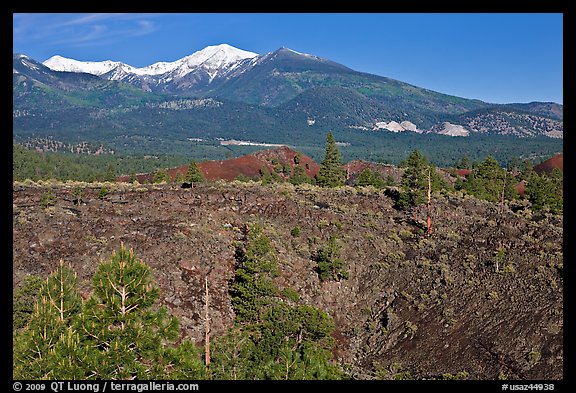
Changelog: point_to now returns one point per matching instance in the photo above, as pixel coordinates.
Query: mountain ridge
(228, 54)
(225, 53)
(278, 97)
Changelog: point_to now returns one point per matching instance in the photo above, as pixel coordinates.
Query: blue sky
(498, 58)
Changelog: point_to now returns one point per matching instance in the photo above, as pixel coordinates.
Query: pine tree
(514, 165)
(24, 301)
(162, 176)
(299, 176)
(77, 194)
(330, 265)
(370, 178)
(133, 177)
(414, 181)
(116, 334)
(545, 192)
(488, 180)
(123, 331)
(193, 174)
(271, 339)
(526, 171)
(110, 174)
(257, 265)
(103, 194)
(181, 362)
(331, 173)
(48, 347)
(47, 199)
(179, 178)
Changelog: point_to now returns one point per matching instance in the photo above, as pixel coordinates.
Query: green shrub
(411, 328)
(291, 294)
(162, 176)
(458, 376)
(533, 357)
(103, 194)
(77, 194)
(47, 199)
(330, 265)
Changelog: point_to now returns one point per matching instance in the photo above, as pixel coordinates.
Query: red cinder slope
(248, 165)
(354, 168)
(287, 156)
(547, 166)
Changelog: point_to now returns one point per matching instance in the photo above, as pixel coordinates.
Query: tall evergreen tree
(526, 170)
(414, 181)
(193, 174)
(253, 288)
(330, 265)
(331, 173)
(514, 165)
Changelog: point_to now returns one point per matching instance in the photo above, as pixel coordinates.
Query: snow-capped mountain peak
(217, 56)
(59, 63)
(211, 59)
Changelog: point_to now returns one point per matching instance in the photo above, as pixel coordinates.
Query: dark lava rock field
(481, 296)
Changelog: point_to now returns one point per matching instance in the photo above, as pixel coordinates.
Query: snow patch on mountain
(301, 54)
(30, 65)
(59, 63)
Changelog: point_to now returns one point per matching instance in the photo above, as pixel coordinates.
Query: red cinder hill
(249, 165)
(354, 168)
(544, 167)
(547, 166)
(463, 172)
(287, 156)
